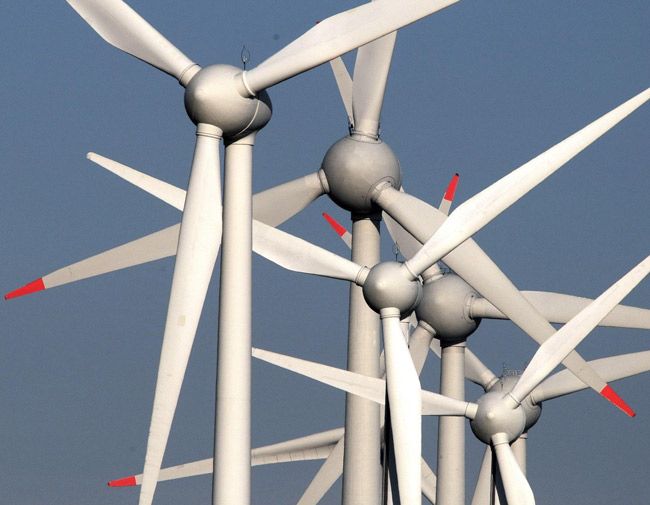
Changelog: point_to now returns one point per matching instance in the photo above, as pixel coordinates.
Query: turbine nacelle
(216, 95)
(390, 285)
(445, 307)
(354, 166)
(497, 413)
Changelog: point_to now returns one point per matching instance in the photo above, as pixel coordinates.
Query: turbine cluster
(433, 300)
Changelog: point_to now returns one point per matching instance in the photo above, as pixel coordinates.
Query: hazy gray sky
(479, 88)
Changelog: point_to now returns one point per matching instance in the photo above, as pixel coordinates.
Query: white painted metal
(198, 246)
(611, 369)
(560, 308)
(556, 348)
(162, 190)
(361, 467)
(471, 263)
(403, 390)
(327, 475)
(232, 450)
(514, 481)
(484, 486)
(473, 214)
(519, 450)
(122, 27)
(337, 35)
(344, 84)
(451, 430)
(370, 77)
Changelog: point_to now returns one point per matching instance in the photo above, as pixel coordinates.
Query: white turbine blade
(198, 247)
(275, 205)
(611, 369)
(419, 343)
(483, 489)
(344, 83)
(403, 391)
(448, 197)
(326, 476)
(311, 447)
(551, 353)
(478, 211)
(476, 268)
(164, 191)
(337, 35)
(477, 372)
(560, 308)
(299, 255)
(516, 485)
(370, 388)
(119, 25)
(369, 84)
(429, 482)
(155, 246)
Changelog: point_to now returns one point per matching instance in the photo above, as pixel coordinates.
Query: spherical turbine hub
(445, 307)
(214, 96)
(495, 414)
(389, 284)
(354, 166)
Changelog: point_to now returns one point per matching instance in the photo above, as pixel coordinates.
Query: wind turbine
(443, 235)
(505, 413)
(225, 103)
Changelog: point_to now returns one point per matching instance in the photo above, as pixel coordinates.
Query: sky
(478, 89)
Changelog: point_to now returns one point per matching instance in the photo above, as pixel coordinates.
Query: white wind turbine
(225, 102)
(503, 414)
(479, 270)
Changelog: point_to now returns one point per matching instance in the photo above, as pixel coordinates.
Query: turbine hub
(212, 97)
(495, 415)
(445, 307)
(389, 285)
(353, 167)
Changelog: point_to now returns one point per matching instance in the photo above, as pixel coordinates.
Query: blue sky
(479, 88)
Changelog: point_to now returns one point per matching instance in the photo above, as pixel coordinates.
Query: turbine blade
(514, 481)
(482, 208)
(448, 198)
(344, 84)
(370, 76)
(483, 489)
(155, 246)
(419, 343)
(122, 27)
(370, 388)
(326, 476)
(340, 230)
(403, 391)
(337, 35)
(311, 447)
(299, 255)
(611, 369)
(275, 205)
(198, 247)
(429, 482)
(475, 267)
(561, 308)
(164, 191)
(551, 353)
(477, 372)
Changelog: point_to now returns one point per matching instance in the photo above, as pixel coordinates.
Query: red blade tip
(451, 189)
(32, 287)
(613, 397)
(334, 224)
(126, 481)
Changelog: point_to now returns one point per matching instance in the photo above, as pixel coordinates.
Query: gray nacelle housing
(354, 166)
(445, 307)
(213, 97)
